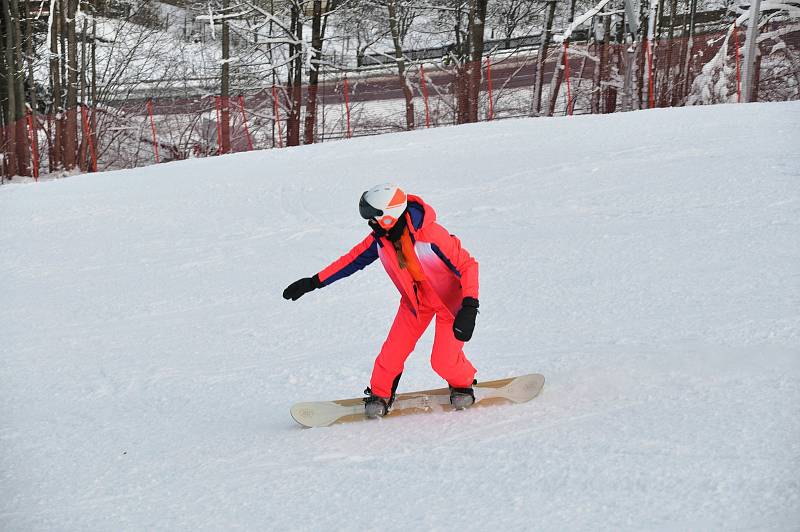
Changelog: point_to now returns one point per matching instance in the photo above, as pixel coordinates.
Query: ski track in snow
(648, 264)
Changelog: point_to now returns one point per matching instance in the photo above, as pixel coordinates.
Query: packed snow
(648, 264)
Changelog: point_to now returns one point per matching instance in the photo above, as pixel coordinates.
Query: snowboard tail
(503, 391)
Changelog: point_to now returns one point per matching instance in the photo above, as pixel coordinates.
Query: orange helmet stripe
(398, 199)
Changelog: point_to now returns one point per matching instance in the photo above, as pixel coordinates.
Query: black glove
(302, 286)
(464, 323)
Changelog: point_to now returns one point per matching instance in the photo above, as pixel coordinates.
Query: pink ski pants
(447, 357)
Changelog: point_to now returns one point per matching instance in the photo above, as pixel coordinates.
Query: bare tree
(93, 92)
(4, 90)
(541, 56)
(295, 79)
(688, 50)
(225, 84)
(669, 82)
(401, 16)
(363, 21)
(467, 19)
(71, 134)
(131, 57)
(511, 15)
(16, 145)
(29, 51)
(558, 74)
(477, 24)
(10, 100)
(599, 46)
(599, 96)
(317, 35)
(56, 105)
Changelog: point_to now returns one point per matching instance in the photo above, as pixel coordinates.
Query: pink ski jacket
(449, 268)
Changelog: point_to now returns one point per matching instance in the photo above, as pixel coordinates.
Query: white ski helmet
(383, 203)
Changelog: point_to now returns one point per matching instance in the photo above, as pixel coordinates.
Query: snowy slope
(646, 263)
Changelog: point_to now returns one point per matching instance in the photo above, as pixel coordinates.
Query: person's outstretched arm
(358, 258)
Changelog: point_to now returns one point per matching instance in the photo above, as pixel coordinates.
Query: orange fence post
(489, 79)
(244, 122)
(49, 134)
(347, 107)
(34, 138)
(87, 133)
(153, 128)
(276, 117)
(651, 93)
(425, 96)
(218, 105)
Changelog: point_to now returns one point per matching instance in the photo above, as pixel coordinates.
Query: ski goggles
(366, 210)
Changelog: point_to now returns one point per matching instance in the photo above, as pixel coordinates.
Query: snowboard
(503, 391)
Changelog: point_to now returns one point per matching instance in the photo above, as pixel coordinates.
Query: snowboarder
(436, 277)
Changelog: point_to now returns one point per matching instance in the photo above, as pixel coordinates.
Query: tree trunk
(655, 46)
(22, 144)
(580, 79)
(558, 73)
(595, 99)
(313, 73)
(11, 104)
(541, 57)
(3, 95)
(677, 89)
(756, 75)
(225, 86)
(667, 86)
(295, 77)
(71, 135)
(555, 83)
(614, 67)
(84, 159)
(62, 45)
(642, 62)
(93, 92)
(605, 66)
(394, 27)
(475, 67)
(461, 51)
(687, 61)
(56, 142)
(29, 53)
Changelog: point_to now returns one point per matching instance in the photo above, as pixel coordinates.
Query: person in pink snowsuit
(436, 277)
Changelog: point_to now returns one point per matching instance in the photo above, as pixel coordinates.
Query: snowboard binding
(376, 406)
(462, 398)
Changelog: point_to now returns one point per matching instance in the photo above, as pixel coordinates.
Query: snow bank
(646, 263)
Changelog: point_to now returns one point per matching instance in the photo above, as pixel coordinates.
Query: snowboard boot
(462, 398)
(376, 406)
